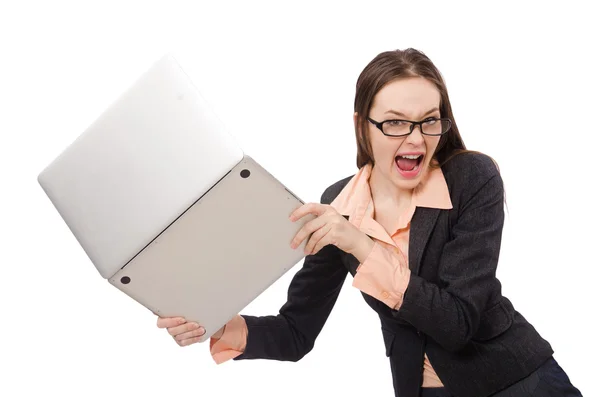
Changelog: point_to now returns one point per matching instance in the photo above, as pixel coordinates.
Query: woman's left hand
(330, 228)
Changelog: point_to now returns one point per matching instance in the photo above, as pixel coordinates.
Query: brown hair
(391, 65)
(384, 68)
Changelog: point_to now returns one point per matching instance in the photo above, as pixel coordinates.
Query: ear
(356, 126)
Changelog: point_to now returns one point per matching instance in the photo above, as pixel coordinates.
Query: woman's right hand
(183, 333)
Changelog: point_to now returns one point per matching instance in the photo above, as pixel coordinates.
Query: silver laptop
(167, 206)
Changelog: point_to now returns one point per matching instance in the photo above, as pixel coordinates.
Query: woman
(419, 228)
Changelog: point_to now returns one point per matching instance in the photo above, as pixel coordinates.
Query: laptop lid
(147, 158)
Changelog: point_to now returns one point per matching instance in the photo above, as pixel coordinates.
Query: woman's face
(413, 99)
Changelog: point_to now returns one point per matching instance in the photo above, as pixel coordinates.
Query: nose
(416, 138)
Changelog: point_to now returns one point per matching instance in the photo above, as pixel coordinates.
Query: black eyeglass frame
(379, 125)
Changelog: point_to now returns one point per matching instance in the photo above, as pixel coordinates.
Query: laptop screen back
(148, 157)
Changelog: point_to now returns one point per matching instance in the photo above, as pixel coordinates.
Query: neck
(384, 190)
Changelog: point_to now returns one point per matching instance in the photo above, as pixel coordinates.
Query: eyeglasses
(430, 126)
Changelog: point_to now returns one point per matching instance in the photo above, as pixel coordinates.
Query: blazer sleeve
(451, 314)
(313, 291)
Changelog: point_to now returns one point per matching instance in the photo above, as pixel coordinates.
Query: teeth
(411, 156)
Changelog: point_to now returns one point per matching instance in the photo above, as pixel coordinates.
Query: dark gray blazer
(453, 309)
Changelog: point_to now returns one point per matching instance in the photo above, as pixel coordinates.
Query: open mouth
(409, 163)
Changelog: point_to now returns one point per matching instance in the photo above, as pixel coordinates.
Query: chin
(406, 184)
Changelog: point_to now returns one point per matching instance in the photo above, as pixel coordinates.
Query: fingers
(310, 208)
(196, 333)
(187, 327)
(169, 322)
(317, 240)
(322, 243)
(183, 333)
(190, 341)
(306, 230)
(187, 334)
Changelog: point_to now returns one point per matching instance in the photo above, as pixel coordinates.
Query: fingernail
(202, 330)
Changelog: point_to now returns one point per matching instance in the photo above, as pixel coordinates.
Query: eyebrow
(403, 115)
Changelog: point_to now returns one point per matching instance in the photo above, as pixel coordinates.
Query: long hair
(392, 65)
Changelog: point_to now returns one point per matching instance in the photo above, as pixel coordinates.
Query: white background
(523, 82)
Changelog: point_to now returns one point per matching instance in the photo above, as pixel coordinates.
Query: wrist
(363, 248)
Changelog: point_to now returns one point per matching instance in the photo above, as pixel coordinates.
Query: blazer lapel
(421, 227)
